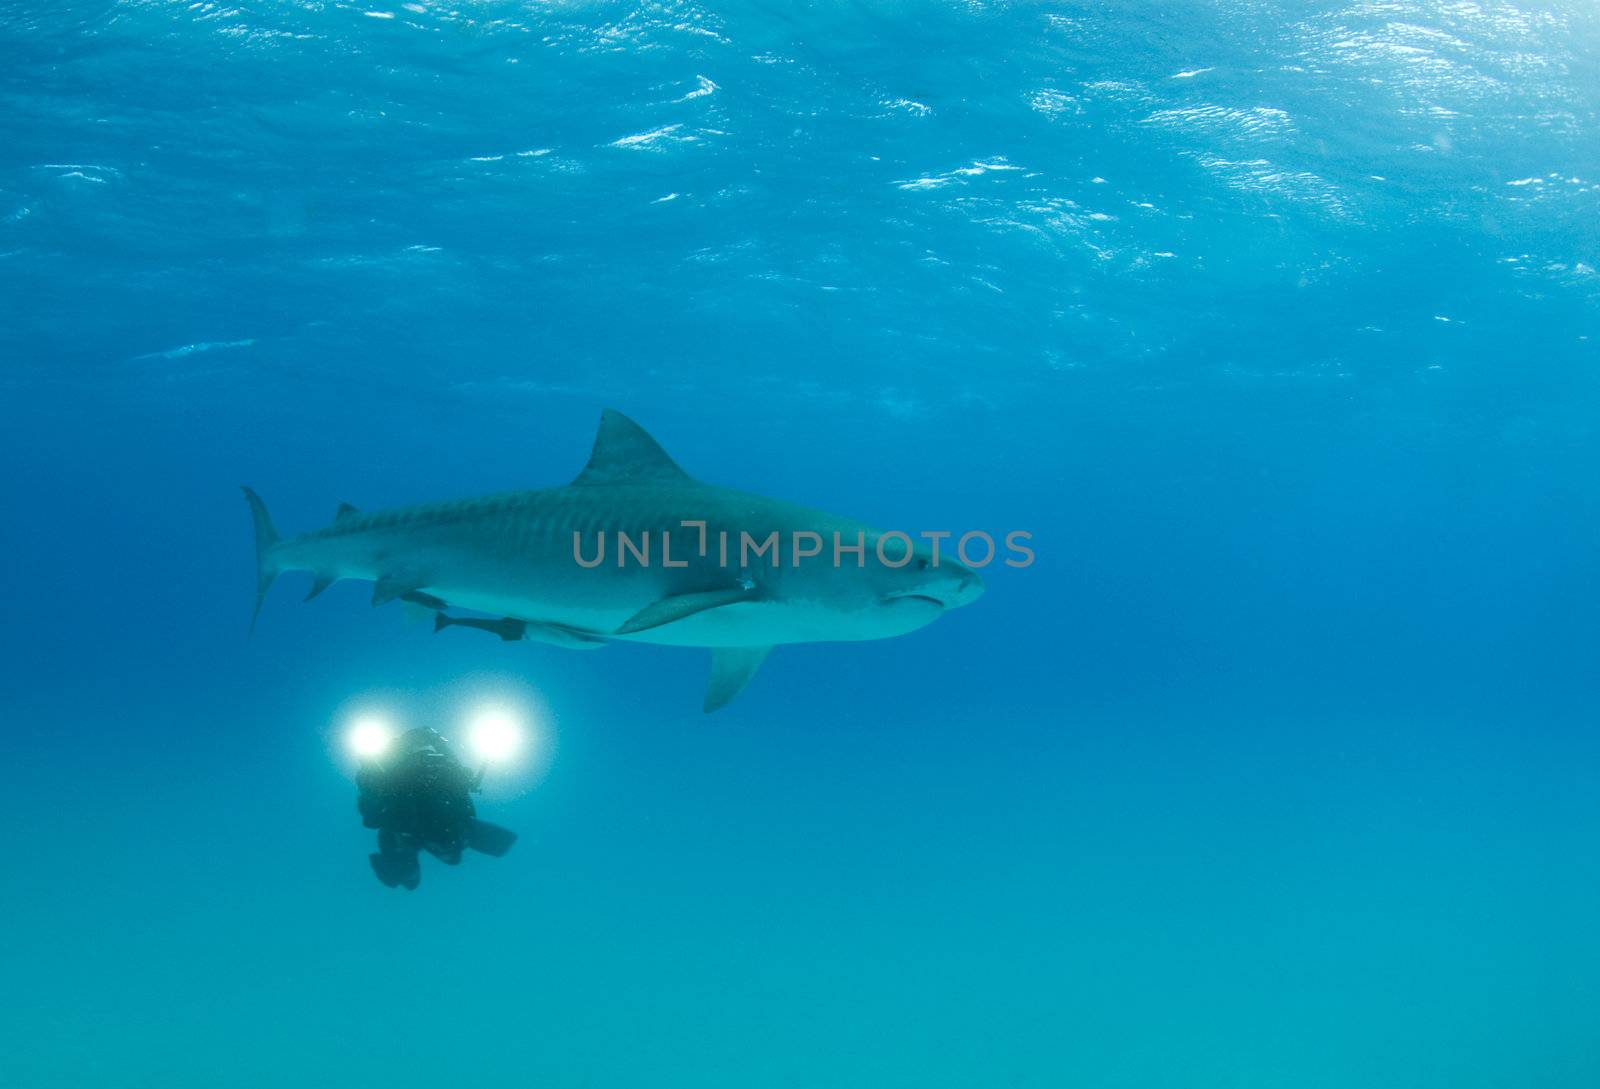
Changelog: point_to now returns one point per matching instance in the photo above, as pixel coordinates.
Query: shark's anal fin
(678, 606)
(731, 670)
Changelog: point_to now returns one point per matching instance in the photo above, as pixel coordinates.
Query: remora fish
(516, 556)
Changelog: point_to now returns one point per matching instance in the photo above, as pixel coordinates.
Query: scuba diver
(417, 794)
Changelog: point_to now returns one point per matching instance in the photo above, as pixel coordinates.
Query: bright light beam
(495, 734)
(369, 737)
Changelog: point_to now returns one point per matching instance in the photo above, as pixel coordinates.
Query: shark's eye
(922, 563)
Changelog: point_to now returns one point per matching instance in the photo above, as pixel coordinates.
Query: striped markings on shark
(514, 558)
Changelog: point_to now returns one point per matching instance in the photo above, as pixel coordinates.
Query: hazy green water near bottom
(1163, 899)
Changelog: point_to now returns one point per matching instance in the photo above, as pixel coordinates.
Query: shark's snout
(955, 587)
(967, 589)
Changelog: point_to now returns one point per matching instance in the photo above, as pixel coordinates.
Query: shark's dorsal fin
(345, 511)
(731, 670)
(625, 454)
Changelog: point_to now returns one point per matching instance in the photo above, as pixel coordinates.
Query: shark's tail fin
(266, 537)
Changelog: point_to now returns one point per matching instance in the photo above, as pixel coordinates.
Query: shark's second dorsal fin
(625, 454)
(345, 511)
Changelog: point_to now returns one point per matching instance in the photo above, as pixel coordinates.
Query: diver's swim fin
(489, 839)
(396, 869)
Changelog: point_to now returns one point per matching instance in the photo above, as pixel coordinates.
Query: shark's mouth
(916, 597)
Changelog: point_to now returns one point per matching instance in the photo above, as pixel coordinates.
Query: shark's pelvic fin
(731, 670)
(319, 584)
(678, 606)
(345, 511)
(389, 587)
(625, 454)
(419, 607)
(266, 537)
(414, 612)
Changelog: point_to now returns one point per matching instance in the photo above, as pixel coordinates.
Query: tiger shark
(693, 564)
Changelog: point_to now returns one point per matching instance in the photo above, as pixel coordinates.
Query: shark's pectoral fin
(678, 606)
(731, 670)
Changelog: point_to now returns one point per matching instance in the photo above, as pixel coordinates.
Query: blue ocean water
(1275, 324)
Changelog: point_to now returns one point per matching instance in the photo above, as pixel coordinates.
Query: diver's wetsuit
(418, 797)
